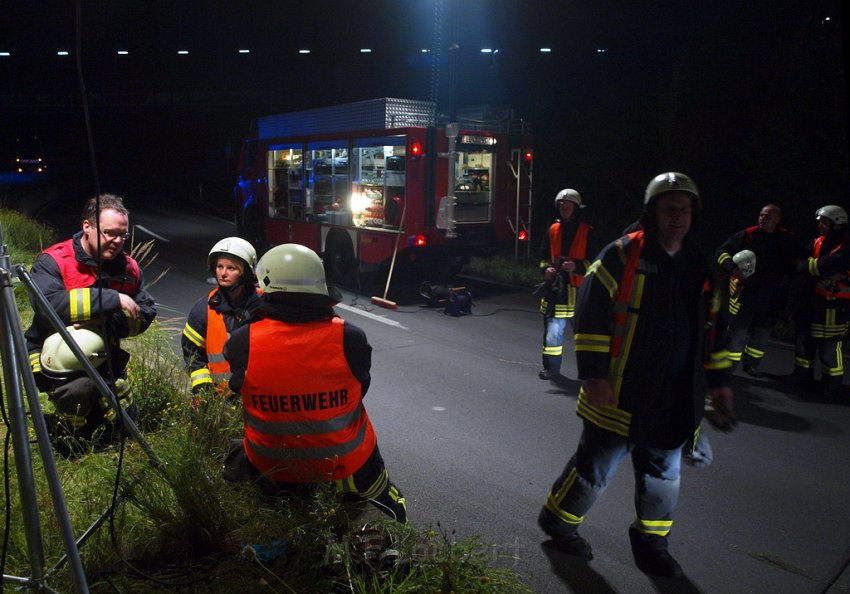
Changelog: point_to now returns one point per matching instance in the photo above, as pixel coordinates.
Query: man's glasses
(113, 235)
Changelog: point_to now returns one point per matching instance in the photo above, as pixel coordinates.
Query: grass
(506, 270)
(164, 519)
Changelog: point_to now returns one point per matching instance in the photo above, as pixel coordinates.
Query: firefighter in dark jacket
(563, 260)
(91, 283)
(646, 342)
(753, 294)
(821, 320)
(302, 373)
(213, 318)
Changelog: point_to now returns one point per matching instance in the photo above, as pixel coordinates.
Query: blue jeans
(592, 467)
(553, 342)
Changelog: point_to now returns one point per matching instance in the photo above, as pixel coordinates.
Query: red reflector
(415, 149)
(420, 241)
(528, 155)
(522, 235)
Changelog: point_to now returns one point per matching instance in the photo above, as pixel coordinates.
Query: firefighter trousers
(553, 342)
(591, 468)
(749, 332)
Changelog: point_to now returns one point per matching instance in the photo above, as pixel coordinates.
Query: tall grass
(161, 518)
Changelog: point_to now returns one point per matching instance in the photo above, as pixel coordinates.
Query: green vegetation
(504, 269)
(177, 525)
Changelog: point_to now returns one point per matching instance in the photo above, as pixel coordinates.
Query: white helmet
(58, 359)
(568, 194)
(834, 213)
(745, 260)
(291, 268)
(235, 247)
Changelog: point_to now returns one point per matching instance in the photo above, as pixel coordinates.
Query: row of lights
(364, 50)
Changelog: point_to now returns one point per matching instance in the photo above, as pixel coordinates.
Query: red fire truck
(361, 181)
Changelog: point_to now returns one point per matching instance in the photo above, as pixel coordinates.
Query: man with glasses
(93, 284)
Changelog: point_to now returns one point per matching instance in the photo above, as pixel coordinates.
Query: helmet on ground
(671, 182)
(570, 195)
(745, 260)
(292, 268)
(233, 247)
(58, 359)
(834, 213)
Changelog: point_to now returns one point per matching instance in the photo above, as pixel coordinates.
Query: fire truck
(384, 181)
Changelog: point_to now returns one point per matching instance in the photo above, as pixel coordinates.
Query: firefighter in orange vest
(302, 373)
(92, 283)
(213, 318)
(822, 319)
(563, 260)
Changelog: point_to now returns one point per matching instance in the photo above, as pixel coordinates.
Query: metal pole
(518, 184)
(14, 351)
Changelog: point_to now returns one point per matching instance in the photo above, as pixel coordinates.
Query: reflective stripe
(554, 351)
(35, 362)
(194, 336)
(79, 304)
(297, 428)
(656, 527)
(301, 453)
(201, 376)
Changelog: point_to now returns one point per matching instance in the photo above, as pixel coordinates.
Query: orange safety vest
(77, 275)
(826, 286)
(302, 406)
(215, 339)
(624, 292)
(578, 247)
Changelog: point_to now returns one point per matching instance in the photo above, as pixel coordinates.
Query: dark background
(747, 98)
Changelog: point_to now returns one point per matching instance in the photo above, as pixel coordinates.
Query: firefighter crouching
(215, 316)
(302, 373)
(92, 284)
(563, 260)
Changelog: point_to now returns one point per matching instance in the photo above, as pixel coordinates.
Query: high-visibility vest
(77, 275)
(216, 337)
(302, 406)
(826, 286)
(577, 251)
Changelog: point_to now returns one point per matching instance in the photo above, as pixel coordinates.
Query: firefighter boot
(751, 368)
(651, 556)
(564, 537)
(832, 388)
(803, 378)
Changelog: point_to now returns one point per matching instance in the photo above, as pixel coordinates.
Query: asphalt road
(474, 440)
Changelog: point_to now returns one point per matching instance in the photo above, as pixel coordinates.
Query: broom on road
(383, 301)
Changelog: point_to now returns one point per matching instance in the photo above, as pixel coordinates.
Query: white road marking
(152, 234)
(371, 316)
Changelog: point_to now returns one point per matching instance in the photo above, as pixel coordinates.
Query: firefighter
(302, 373)
(822, 318)
(753, 297)
(643, 358)
(563, 260)
(90, 282)
(213, 318)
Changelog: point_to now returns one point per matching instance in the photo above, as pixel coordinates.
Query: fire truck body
(354, 181)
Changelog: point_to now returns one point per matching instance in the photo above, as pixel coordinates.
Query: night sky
(748, 98)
